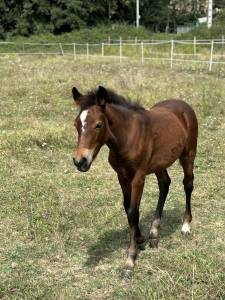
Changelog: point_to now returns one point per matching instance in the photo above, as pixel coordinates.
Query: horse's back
(178, 107)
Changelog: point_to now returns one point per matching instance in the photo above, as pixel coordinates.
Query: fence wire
(200, 51)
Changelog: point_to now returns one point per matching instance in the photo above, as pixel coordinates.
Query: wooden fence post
(211, 56)
(102, 49)
(142, 53)
(194, 45)
(61, 48)
(87, 51)
(222, 52)
(74, 51)
(121, 51)
(171, 54)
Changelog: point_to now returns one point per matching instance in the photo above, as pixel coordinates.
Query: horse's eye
(98, 126)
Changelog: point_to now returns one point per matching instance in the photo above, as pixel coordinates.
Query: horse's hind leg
(164, 183)
(187, 162)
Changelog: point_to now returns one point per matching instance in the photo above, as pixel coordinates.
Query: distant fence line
(194, 51)
(136, 40)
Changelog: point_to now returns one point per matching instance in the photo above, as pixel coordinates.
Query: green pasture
(64, 234)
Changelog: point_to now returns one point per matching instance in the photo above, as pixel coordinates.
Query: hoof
(153, 243)
(127, 273)
(141, 243)
(141, 246)
(129, 263)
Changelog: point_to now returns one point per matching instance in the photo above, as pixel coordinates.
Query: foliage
(220, 19)
(216, 32)
(32, 16)
(156, 15)
(26, 17)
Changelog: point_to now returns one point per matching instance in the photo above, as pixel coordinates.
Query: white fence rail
(208, 52)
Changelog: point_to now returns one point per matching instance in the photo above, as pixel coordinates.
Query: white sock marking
(154, 232)
(83, 117)
(186, 228)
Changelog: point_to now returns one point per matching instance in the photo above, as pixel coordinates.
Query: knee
(165, 184)
(133, 216)
(188, 189)
(188, 183)
(168, 182)
(126, 203)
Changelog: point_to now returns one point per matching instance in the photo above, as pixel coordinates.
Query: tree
(155, 14)
(219, 3)
(33, 16)
(67, 15)
(25, 17)
(9, 14)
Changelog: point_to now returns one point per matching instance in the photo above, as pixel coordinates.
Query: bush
(217, 30)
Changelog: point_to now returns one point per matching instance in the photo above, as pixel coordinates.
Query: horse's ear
(102, 96)
(76, 95)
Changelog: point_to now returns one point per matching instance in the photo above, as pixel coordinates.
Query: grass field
(63, 234)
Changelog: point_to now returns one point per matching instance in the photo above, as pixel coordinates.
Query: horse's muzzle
(82, 165)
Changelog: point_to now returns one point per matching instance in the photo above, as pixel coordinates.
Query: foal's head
(91, 125)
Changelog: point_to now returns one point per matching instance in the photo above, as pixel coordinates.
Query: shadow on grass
(113, 239)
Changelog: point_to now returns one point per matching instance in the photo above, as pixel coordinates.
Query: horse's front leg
(126, 187)
(137, 185)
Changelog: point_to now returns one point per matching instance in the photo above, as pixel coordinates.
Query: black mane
(91, 99)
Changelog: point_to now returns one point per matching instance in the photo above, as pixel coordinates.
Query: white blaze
(83, 117)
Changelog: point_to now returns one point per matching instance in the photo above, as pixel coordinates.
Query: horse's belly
(165, 153)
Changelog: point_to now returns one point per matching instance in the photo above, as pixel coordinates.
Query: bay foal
(140, 142)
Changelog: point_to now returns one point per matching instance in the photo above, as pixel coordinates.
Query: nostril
(83, 161)
(80, 163)
(75, 162)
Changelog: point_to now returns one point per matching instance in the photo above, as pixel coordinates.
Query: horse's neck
(119, 123)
